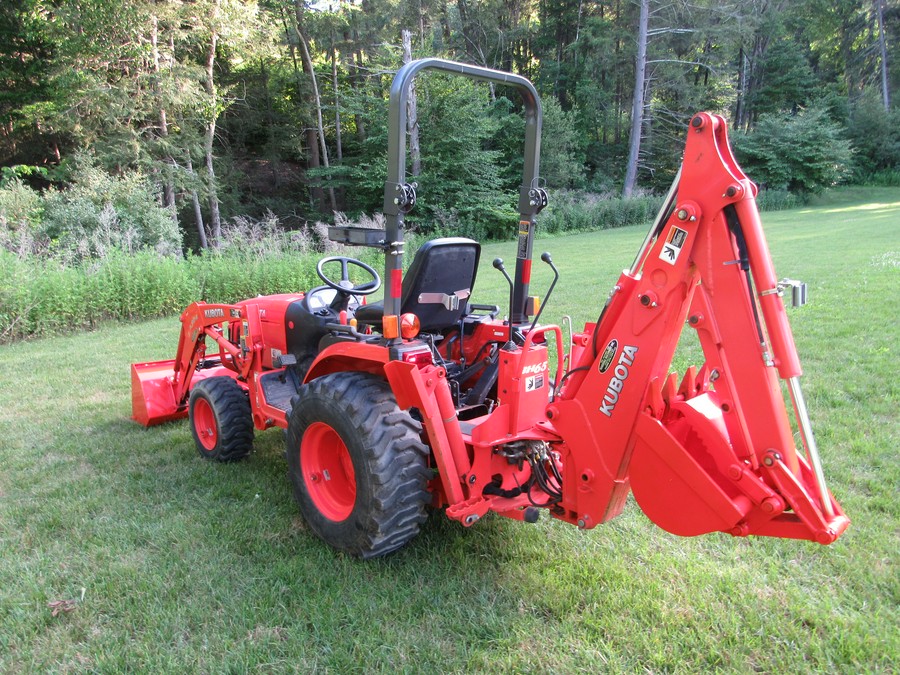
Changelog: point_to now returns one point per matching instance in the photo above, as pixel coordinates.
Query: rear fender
(349, 356)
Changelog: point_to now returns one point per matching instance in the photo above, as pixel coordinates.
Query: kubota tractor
(429, 400)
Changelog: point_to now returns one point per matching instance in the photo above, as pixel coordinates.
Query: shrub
(778, 200)
(21, 210)
(802, 153)
(875, 136)
(886, 178)
(579, 211)
(99, 212)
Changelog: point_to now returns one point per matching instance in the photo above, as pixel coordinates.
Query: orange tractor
(426, 399)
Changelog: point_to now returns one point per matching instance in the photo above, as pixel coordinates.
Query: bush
(21, 210)
(98, 213)
(803, 153)
(875, 136)
(886, 178)
(579, 212)
(778, 200)
(45, 295)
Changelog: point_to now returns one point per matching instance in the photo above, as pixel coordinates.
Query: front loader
(429, 400)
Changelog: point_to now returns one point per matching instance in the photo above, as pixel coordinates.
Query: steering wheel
(345, 285)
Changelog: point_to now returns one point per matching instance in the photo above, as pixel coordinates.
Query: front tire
(221, 420)
(357, 464)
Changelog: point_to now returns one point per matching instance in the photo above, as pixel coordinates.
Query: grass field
(179, 565)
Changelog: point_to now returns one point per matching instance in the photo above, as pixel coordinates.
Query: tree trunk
(215, 219)
(198, 211)
(316, 193)
(412, 115)
(359, 83)
(882, 47)
(637, 106)
(741, 103)
(308, 64)
(337, 104)
(167, 183)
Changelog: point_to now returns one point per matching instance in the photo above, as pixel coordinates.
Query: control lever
(498, 265)
(545, 256)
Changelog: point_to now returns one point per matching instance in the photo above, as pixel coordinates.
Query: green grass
(187, 566)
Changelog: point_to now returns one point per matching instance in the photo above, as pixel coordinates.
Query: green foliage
(126, 80)
(40, 297)
(562, 155)
(583, 212)
(21, 210)
(801, 153)
(875, 136)
(19, 171)
(460, 184)
(99, 212)
(788, 80)
(888, 178)
(778, 200)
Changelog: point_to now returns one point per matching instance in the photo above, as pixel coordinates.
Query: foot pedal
(284, 360)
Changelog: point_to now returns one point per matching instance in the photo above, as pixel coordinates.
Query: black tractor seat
(437, 286)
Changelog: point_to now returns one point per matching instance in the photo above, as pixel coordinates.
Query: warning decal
(524, 231)
(534, 383)
(674, 242)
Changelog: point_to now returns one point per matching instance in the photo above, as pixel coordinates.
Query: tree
(882, 49)
(637, 100)
(27, 100)
(212, 116)
(802, 153)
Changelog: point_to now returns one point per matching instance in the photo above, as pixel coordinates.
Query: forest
(158, 124)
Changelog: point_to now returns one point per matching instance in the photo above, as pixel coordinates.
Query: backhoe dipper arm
(715, 452)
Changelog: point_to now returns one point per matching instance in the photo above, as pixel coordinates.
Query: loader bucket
(152, 393)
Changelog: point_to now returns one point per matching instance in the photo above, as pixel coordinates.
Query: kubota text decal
(617, 383)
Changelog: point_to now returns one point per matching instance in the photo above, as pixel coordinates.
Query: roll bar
(400, 197)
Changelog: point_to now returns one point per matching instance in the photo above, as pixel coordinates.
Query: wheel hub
(328, 471)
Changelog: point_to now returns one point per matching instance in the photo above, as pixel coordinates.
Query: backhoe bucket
(153, 394)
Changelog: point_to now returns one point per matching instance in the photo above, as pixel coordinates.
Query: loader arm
(715, 451)
(160, 389)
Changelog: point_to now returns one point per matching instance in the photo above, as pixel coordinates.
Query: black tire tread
(395, 456)
(231, 406)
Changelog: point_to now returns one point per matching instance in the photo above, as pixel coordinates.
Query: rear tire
(357, 464)
(221, 420)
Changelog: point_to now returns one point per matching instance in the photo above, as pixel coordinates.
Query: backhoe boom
(715, 452)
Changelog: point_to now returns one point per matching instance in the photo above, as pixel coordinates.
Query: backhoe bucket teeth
(152, 393)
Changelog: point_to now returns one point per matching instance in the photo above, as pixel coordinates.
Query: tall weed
(39, 298)
(581, 212)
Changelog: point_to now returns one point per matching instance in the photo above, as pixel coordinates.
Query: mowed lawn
(174, 564)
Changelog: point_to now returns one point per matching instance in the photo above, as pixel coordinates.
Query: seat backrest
(439, 282)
